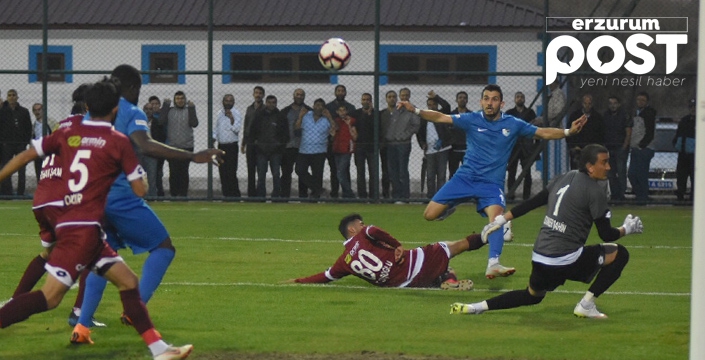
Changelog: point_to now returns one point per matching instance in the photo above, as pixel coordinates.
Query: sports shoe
(81, 335)
(462, 285)
(446, 213)
(592, 313)
(175, 353)
(125, 320)
(508, 233)
(463, 309)
(73, 321)
(497, 269)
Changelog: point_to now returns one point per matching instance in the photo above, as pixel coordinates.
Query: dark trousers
(685, 169)
(385, 172)
(288, 163)
(618, 172)
(9, 150)
(398, 163)
(639, 172)
(334, 183)
(228, 170)
(179, 176)
(363, 156)
(519, 155)
(455, 159)
(274, 162)
(38, 168)
(314, 179)
(251, 158)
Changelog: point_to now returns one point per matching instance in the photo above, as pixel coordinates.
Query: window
(163, 57)
(275, 64)
(58, 58)
(434, 58)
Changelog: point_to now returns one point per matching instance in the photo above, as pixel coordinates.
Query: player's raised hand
(495, 225)
(214, 155)
(406, 105)
(632, 225)
(578, 124)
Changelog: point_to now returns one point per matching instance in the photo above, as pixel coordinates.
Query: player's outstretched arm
(429, 115)
(556, 133)
(18, 162)
(155, 149)
(319, 278)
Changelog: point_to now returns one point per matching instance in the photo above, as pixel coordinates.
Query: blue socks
(496, 241)
(153, 271)
(95, 285)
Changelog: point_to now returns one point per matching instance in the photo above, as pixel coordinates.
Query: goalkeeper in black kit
(575, 201)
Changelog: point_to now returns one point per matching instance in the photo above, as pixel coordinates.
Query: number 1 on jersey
(560, 194)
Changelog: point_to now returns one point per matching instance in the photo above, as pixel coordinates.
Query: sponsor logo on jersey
(73, 199)
(50, 173)
(554, 224)
(348, 258)
(506, 132)
(142, 123)
(93, 142)
(74, 141)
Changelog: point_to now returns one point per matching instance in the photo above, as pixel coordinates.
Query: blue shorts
(130, 222)
(459, 189)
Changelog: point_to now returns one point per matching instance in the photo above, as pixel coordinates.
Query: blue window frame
(176, 51)
(66, 52)
(265, 57)
(432, 50)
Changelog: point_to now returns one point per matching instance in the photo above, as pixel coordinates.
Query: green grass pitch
(223, 291)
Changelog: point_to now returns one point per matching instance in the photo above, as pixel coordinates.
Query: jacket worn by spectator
(401, 125)
(644, 128)
(179, 124)
(15, 124)
(270, 131)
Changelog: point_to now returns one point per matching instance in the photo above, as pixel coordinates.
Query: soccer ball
(334, 54)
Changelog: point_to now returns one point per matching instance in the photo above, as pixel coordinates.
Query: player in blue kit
(491, 136)
(129, 221)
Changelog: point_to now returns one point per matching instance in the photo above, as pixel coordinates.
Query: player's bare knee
(44, 254)
(166, 244)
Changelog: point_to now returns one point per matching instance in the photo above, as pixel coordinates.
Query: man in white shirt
(226, 132)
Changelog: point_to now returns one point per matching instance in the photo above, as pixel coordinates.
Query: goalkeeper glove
(632, 225)
(492, 227)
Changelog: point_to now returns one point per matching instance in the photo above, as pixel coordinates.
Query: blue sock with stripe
(153, 271)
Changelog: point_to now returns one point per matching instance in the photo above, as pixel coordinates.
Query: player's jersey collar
(96, 123)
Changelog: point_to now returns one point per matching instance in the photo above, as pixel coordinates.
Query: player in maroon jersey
(92, 156)
(378, 258)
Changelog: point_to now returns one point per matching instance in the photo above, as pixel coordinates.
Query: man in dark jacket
(684, 142)
(642, 151)
(523, 149)
(593, 132)
(269, 133)
(15, 135)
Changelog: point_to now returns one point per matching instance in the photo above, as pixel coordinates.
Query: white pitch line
(227, 238)
(357, 287)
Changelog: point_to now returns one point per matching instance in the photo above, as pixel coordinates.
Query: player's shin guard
(134, 308)
(513, 299)
(474, 242)
(153, 271)
(496, 240)
(22, 307)
(34, 272)
(609, 274)
(94, 287)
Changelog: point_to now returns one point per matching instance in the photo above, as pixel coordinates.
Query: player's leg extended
(34, 272)
(496, 241)
(155, 267)
(27, 304)
(470, 243)
(95, 286)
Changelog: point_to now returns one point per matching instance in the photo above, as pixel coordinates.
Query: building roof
(347, 14)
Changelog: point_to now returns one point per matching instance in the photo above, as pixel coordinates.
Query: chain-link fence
(193, 54)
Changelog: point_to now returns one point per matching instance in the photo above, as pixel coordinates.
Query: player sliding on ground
(378, 258)
(575, 201)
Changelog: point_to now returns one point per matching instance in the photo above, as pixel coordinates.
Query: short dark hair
(616, 98)
(179, 93)
(103, 96)
(461, 93)
(128, 75)
(269, 97)
(390, 92)
(319, 100)
(589, 155)
(367, 94)
(492, 87)
(154, 97)
(644, 94)
(259, 88)
(345, 222)
(340, 86)
(80, 93)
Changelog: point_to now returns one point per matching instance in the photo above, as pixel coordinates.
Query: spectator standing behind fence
(435, 140)
(270, 133)
(523, 149)
(385, 119)
(291, 152)
(457, 152)
(593, 131)
(149, 164)
(226, 132)
(684, 142)
(343, 148)
(365, 146)
(158, 133)
(556, 106)
(618, 133)
(179, 121)
(402, 125)
(315, 126)
(15, 135)
(247, 147)
(38, 132)
(641, 152)
(340, 93)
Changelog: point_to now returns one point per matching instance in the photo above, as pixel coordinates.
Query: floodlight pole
(697, 311)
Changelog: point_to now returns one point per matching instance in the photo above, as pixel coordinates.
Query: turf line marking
(356, 287)
(405, 242)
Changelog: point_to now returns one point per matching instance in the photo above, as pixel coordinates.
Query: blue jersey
(489, 144)
(129, 119)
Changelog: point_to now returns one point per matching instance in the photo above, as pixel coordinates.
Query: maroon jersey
(92, 155)
(369, 255)
(50, 175)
